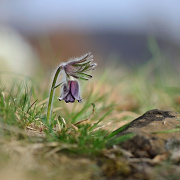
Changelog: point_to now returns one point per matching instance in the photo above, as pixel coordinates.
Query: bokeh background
(45, 33)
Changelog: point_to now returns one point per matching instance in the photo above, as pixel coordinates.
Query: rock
(152, 132)
(173, 146)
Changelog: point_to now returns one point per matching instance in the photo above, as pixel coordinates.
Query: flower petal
(69, 98)
(77, 67)
(75, 90)
(64, 91)
(82, 60)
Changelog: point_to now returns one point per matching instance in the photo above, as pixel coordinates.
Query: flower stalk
(51, 95)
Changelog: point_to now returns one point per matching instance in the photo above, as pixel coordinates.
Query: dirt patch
(21, 161)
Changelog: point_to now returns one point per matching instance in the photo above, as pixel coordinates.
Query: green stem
(51, 95)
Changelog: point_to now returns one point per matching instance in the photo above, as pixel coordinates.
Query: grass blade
(95, 124)
(112, 134)
(120, 139)
(166, 131)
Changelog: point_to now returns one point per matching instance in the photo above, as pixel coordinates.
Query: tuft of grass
(22, 117)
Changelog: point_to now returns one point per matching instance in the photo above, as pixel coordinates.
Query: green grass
(23, 108)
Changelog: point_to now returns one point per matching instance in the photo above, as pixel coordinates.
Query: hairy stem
(51, 95)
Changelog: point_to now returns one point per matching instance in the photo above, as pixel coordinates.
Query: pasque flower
(70, 90)
(75, 69)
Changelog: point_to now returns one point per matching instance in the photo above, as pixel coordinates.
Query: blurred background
(45, 33)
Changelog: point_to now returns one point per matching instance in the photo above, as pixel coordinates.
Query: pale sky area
(142, 16)
(159, 18)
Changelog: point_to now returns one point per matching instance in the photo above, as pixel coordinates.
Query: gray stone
(152, 132)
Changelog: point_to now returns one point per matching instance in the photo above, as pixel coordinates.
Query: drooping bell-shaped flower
(75, 69)
(70, 92)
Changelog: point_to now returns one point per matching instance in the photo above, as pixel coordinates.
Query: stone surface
(150, 137)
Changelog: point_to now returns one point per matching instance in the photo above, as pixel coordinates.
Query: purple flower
(77, 68)
(70, 92)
